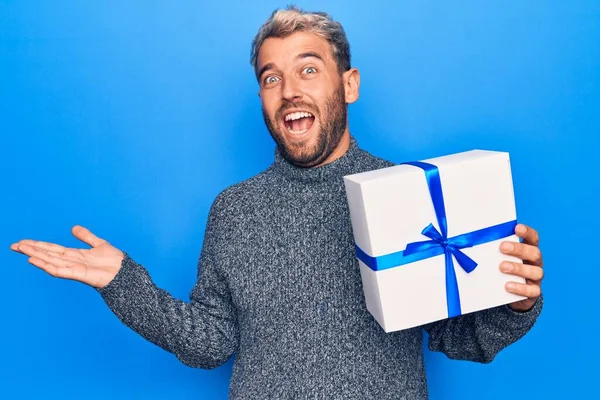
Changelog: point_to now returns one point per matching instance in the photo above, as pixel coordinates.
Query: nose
(291, 90)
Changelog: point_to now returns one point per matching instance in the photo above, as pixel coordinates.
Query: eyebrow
(264, 69)
(309, 54)
(300, 56)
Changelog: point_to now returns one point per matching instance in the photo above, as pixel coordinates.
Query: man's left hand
(530, 269)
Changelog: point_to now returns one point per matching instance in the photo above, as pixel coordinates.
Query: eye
(309, 70)
(270, 79)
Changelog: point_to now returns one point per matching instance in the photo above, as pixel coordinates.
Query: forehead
(280, 51)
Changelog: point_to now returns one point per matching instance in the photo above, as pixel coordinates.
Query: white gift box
(390, 208)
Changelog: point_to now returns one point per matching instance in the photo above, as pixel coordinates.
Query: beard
(332, 120)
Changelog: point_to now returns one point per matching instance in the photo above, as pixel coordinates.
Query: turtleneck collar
(331, 171)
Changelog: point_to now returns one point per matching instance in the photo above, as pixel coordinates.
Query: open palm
(95, 267)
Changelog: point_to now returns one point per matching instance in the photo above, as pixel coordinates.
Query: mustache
(288, 106)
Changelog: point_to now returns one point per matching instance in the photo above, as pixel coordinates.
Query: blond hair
(283, 23)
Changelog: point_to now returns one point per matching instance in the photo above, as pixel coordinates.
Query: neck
(340, 149)
(331, 171)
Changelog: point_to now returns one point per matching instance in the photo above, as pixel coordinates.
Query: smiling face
(304, 98)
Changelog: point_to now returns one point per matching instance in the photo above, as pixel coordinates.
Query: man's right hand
(95, 267)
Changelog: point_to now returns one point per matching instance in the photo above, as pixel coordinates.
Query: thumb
(86, 236)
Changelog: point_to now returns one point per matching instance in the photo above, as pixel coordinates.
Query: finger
(86, 236)
(528, 234)
(76, 271)
(50, 248)
(530, 272)
(15, 247)
(45, 256)
(530, 291)
(525, 252)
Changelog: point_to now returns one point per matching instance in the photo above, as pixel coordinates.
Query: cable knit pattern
(279, 286)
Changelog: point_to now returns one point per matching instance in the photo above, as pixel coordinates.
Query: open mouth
(298, 122)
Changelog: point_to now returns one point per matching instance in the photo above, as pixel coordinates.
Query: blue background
(130, 117)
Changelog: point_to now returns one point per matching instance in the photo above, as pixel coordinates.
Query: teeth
(293, 132)
(297, 115)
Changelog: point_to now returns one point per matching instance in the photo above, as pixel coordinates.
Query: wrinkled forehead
(285, 51)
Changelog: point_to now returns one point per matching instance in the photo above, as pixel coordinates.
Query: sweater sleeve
(481, 335)
(202, 332)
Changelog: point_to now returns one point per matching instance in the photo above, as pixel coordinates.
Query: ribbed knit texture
(279, 286)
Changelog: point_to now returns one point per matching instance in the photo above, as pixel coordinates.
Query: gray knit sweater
(279, 286)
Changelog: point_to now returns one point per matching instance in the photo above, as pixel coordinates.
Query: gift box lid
(390, 207)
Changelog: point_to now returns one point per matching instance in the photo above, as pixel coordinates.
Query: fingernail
(510, 286)
(506, 246)
(506, 267)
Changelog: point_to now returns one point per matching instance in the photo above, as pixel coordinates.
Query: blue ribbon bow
(440, 243)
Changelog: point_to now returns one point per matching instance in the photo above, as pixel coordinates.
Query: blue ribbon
(440, 243)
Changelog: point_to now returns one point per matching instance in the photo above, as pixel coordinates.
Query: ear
(351, 80)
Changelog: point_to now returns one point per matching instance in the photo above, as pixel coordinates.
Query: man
(278, 280)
